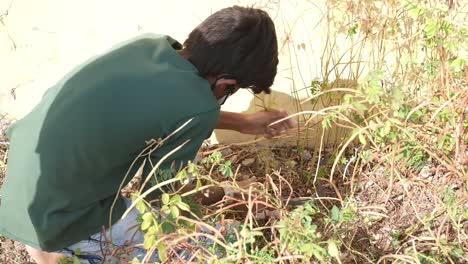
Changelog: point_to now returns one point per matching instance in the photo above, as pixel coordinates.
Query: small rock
(426, 172)
(368, 184)
(234, 158)
(248, 162)
(226, 151)
(306, 155)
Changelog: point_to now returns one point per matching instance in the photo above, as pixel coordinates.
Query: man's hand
(259, 123)
(256, 123)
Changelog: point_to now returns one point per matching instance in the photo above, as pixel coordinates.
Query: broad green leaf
(183, 206)
(162, 252)
(362, 139)
(149, 241)
(415, 12)
(225, 169)
(167, 227)
(335, 214)
(457, 252)
(176, 198)
(165, 198)
(452, 45)
(333, 249)
(166, 209)
(145, 225)
(147, 217)
(397, 98)
(174, 211)
(140, 206)
(353, 30)
(458, 64)
(154, 229)
(430, 28)
(147, 221)
(181, 174)
(135, 261)
(360, 107)
(386, 129)
(76, 260)
(192, 168)
(347, 214)
(307, 249)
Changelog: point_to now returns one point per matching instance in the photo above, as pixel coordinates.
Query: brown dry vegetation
(395, 187)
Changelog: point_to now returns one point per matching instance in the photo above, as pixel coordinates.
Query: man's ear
(222, 86)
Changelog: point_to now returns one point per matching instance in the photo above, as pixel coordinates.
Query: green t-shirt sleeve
(188, 139)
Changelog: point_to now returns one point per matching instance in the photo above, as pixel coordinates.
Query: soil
(382, 213)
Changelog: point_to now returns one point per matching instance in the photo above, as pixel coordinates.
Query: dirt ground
(386, 208)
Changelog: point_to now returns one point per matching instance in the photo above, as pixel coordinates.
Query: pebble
(306, 155)
(248, 162)
(226, 151)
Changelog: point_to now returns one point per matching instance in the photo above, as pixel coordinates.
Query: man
(69, 156)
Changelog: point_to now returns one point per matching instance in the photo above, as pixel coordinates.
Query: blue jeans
(127, 241)
(126, 244)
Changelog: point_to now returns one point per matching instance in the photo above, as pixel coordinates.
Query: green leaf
(225, 169)
(192, 168)
(76, 260)
(347, 214)
(458, 64)
(176, 199)
(333, 249)
(372, 86)
(175, 211)
(385, 129)
(397, 98)
(452, 45)
(335, 213)
(145, 225)
(149, 241)
(162, 252)
(166, 209)
(165, 198)
(181, 174)
(307, 249)
(353, 30)
(140, 206)
(360, 107)
(430, 28)
(457, 252)
(147, 217)
(362, 139)
(183, 206)
(154, 229)
(135, 261)
(167, 227)
(415, 12)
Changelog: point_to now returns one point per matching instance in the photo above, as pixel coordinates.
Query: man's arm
(255, 123)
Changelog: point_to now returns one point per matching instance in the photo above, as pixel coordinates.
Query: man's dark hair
(238, 41)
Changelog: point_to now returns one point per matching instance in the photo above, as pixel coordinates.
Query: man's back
(70, 154)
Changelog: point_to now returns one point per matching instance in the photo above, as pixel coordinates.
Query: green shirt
(68, 157)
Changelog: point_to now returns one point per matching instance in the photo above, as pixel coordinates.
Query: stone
(248, 162)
